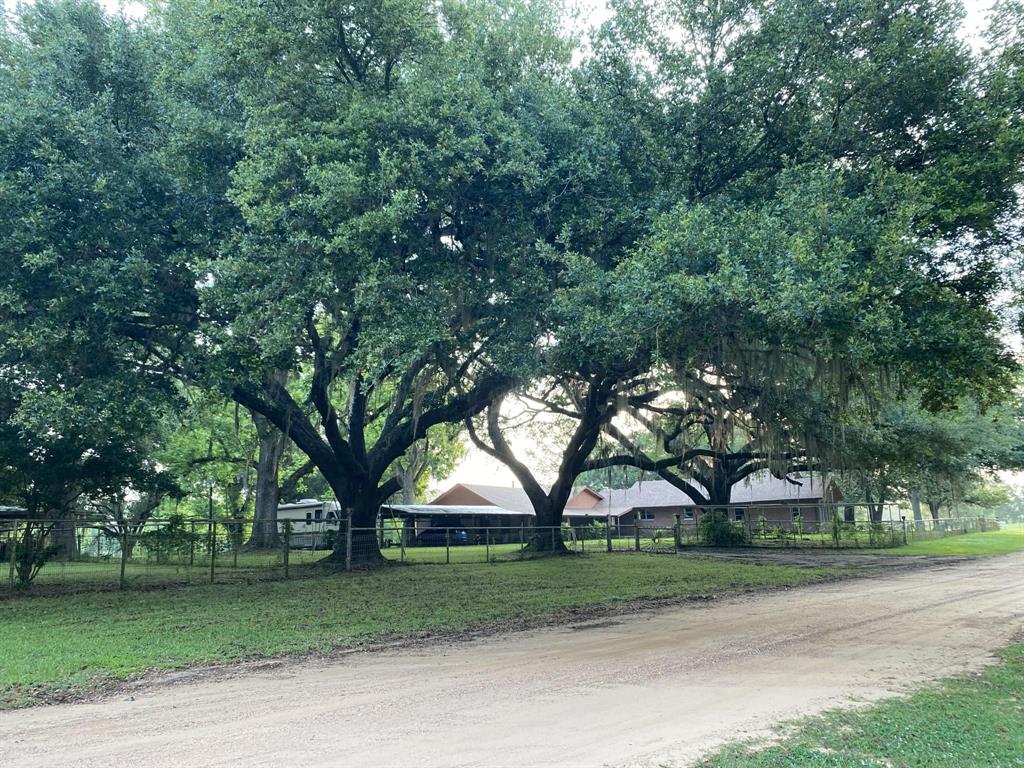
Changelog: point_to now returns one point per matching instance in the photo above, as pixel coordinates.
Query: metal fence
(84, 555)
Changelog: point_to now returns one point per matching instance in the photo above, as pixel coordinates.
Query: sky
(477, 466)
(593, 12)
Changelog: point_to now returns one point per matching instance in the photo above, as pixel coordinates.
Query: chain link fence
(44, 556)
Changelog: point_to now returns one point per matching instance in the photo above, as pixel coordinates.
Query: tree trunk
(874, 508)
(548, 534)
(720, 487)
(915, 505)
(62, 535)
(409, 470)
(933, 508)
(365, 506)
(268, 491)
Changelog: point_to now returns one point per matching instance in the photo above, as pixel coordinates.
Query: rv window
(309, 518)
(319, 515)
(740, 514)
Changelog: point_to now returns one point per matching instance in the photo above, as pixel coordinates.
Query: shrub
(331, 538)
(717, 531)
(173, 538)
(32, 551)
(837, 530)
(658, 534)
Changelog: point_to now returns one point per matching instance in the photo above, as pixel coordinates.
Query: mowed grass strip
(1002, 542)
(966, 723)
(49, 644)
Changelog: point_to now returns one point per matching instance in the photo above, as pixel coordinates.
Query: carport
(504, 524)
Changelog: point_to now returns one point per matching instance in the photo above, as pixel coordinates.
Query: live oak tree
(353, 193)
(87, 220)
(772, 127)
(805, 328)
(393, 185)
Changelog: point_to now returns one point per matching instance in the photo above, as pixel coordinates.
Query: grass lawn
(1010, 539)
(52, 643)
(968, 723)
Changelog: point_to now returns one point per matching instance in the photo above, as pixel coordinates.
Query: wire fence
(86, 555)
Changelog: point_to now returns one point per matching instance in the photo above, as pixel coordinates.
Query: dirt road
(653, 689)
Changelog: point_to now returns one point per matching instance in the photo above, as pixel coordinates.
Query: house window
(740, 514)
(688, 514)
(646, 514)
(796, 512)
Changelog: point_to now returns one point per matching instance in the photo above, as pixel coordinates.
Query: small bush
(716, 530)
(660, 533)
(332, 537)
(31, 552)
(172, 538)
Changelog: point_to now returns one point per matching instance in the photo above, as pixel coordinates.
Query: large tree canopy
(828, 202)
(92, 238)
(367, 222)
(397, 177)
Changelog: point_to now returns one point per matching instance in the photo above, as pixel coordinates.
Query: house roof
(766, 487)
(512, 499)
(506, 497)
(11, 513)
(585, 498)
(477, 499)
(759, 488)
(424, 510)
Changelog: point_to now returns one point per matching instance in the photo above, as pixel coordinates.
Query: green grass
(96, 572)
(51, 643)
(966, 723)
(1010, 539)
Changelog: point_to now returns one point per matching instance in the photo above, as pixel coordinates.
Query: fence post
(348, 539)
(552, 538)
(192, 545)
(487, 545)
(636, 532)
(522, 540)
(213, 549)
(401, 540)
(286, 543)
(124, 556)
(678, 530)
(447, 546)
(608, 532)
(904, 531)
(12, 544)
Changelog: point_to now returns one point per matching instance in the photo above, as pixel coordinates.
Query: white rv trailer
(310, 519)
